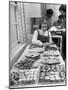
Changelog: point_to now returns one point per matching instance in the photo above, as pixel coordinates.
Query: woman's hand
(47, 43)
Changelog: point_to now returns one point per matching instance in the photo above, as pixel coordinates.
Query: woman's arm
(50, 38)
(34, 39)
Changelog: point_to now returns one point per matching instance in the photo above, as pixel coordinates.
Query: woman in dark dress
(42, 36)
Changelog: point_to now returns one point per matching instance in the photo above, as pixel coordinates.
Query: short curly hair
(62, 8)
(60, 16)
(49, 13)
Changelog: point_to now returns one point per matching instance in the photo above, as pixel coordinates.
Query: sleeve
(34, 39)
(53, 28)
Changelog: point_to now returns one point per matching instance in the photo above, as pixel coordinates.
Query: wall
(35, 10)
(55, 8)
(30, 10)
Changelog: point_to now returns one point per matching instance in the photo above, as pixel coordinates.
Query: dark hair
(39, 27)
(15, 2)
(49, 13)
(62, 8)
(60, 16)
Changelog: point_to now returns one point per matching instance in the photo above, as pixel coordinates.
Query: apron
(42, 38)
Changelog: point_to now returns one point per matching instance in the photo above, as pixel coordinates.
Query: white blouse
(35, 36)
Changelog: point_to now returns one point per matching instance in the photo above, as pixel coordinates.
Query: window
(17, 24)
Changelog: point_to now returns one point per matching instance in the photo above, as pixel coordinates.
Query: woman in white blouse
(42, 36)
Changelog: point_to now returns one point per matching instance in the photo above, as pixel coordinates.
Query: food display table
(38, 66)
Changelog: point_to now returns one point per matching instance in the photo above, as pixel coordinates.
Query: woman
(60, 24)
(42, 36)
(62, 10)
(48, 16)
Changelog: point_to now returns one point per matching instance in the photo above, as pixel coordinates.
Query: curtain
(21, 23)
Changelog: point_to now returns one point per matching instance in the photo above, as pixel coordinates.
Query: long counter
(35, 70)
